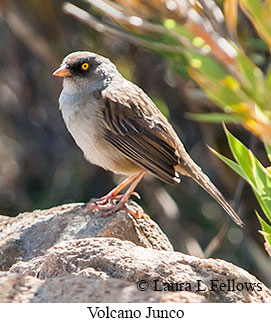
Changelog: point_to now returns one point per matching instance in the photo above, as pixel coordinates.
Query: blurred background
(41, 166)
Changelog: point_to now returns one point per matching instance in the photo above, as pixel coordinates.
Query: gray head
(86, 71)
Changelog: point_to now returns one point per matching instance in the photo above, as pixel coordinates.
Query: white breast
(84, 121)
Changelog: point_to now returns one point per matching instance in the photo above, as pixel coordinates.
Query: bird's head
(86, 71)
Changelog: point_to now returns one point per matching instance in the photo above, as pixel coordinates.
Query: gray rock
(30, 234)
(82, 289)
(105, 258)
(66, 254)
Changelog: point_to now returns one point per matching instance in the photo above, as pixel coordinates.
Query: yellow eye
(84, 66)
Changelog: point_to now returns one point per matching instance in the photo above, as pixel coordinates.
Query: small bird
(119, 128)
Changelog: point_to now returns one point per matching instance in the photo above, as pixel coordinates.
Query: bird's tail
(191, 169)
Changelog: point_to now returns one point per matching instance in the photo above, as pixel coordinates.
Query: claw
(136, 195)
(134, 214)
(112, 202)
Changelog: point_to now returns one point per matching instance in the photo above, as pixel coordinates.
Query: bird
(119, 128)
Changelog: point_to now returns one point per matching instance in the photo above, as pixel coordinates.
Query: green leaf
(268, 150)
(223, 95)
(252, 171)
(184, 32)
(263, 183)
(253, 81)
(262, 205)
(258, 12)
(248, 72)
(266, 228)
(262, 187)
(207, 65)
(233, 165)
(214, 117)
(242, 156)
(224, 91)
(268, 79)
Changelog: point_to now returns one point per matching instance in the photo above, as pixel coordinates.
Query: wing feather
(140, 133)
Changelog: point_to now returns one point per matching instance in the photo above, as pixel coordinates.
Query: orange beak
(62, 71)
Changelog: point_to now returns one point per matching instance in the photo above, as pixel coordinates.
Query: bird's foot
(105, 201)
(110, 204)
(113, 201)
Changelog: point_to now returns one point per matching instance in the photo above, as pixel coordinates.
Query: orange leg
(121, 186)
(113, 195)
(108, 204)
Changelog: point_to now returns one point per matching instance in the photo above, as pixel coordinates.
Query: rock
(30, 234)
(107, 258)
(66, 254)
(81, 289)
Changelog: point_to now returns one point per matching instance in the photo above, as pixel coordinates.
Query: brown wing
(140, 132)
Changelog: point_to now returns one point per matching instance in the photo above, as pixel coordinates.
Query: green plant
(256, 175)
